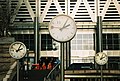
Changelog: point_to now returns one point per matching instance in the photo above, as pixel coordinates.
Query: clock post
(62, 61)
(62, 28)
(101, 73)
(18, 70)
(17, 50)
(101, 59)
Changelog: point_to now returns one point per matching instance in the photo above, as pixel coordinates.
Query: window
(111, 41)
(83, 42)
(27, 39)
(46, 42)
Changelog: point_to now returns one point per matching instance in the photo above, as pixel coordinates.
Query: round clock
(62, 28)
(17, 50)
(101, 58)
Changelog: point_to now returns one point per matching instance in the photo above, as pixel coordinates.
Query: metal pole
(36, 32)
(68, 54)
(62, 61)
(101, 73)
(27, 59)
(99, 43)
(99, 39)
(99, 46)
(18, 70)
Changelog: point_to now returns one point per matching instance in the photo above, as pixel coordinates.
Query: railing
(10, 74)
(53, 73)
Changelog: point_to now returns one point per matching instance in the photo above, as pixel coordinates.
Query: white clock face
(62, 28)
(101, 58)
(17, 50)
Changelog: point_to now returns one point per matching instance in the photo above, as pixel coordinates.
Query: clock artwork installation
(62, 28)
(17, 50)
(101, 58)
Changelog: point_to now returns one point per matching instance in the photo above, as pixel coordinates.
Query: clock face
(17, 50)
(101, 58)
(62, 28)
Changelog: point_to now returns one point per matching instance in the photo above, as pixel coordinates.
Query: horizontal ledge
(89, 76)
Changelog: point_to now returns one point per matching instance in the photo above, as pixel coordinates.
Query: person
(25, 70)
(49, 67)
(29, 65)
(44, 66)
(40, 64)
(46, 62)
(57, 61)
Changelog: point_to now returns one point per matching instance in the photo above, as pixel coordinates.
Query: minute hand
(18, 48)
(64, 25)
(102, 57)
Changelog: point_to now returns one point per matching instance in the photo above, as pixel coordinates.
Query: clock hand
(64, 25)
(102, 57)
(18, 48)
(54, 27)
(67, 25)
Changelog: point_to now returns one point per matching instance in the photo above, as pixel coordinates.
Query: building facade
(84, 13)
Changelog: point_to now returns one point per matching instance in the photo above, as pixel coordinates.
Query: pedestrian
(25, 70)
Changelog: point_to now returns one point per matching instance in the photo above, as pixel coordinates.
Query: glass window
(111, 41)
(83, 42)
(27, 39)
(46, 42)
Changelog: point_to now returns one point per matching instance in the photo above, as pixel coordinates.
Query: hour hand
(64, 27)
(54, 27)
(19, 49)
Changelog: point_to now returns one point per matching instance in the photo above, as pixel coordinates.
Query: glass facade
(84, 13)
(111, 41)
(79, 42)
(46, 42)
(27, 39)
(83, 42)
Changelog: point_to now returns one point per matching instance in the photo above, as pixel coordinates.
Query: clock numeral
(67, 36)
(20, 55)
(58, 22)
(52, 27)
(13, 55)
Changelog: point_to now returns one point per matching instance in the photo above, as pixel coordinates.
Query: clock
(101, 58)
(17, 50)
(62, 28)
